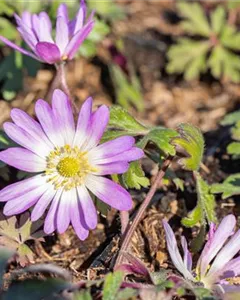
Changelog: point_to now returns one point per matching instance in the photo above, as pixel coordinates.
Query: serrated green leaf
(192, 142)
(193, 217)
(231, 118)
(135, 177)
(230, 37)
(36, 289)
(162, 138)
(84, 295)
(234, 148)
(112, 285)
(121, 119)
(206, 200)
(205, 209)
(188, 57)
(230, 186)
(195, 19)
(218, 19)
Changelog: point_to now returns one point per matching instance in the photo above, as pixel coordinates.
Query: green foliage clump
(212, 44)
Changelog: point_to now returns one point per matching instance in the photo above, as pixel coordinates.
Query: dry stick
(124, 216)
(129, 232)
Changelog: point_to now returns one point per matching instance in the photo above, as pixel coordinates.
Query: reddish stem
(131, 228)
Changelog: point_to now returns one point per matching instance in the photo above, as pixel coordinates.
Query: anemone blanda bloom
(36, 31)
(216, 266)
(69, 163)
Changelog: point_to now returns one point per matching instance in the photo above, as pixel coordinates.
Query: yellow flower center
(67, 167)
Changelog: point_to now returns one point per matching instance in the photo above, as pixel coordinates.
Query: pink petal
(111, 148)
(83, 123)
(50, 223)
(24, 139)
(213, 246)
(48, 52)
(63, 12)
(129, 155)
(109, 192)
(88, 208)
(16, 47)
(24, 121)
(98, 124)
(112, 168)
(62, 38)
(48, 122)
(80, 17)
(24, 202)
(43, 203)
(45, 28)
(77, 40)
(62, 111)
(17, 189)
(63, 213)
(77, 218)
(174, 252)
(23, 159)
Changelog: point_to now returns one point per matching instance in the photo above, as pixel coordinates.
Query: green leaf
(108, 9)
(230, 37)
(188, 57)
(234, 148)
(84, 295)
(231, 118)
(193, 217)
(195, 19)
(128, 90)
(7, 29)
(218, 19)
(5, 255)
(88, 49)
(127, 294)
(113, 134)
(135, 177)
(228, 188)
(205, 209)
(162, 138)
(192, 142)
(206, 200)
(233, 4)
(36, 289)
(235, 132)
(121, 119)
(112, 285)
(100, 30)
(225, 64)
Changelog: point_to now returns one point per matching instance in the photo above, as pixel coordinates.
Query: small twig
(124, 216)
(131, 228)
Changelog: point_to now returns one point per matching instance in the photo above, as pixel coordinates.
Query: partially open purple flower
(69, 163)
(216, 266)
(36, 30)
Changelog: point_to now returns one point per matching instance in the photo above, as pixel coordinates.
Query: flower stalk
(126, 239)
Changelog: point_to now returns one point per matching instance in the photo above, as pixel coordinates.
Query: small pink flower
(216, 263)
(69, 162)
(36, 30)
